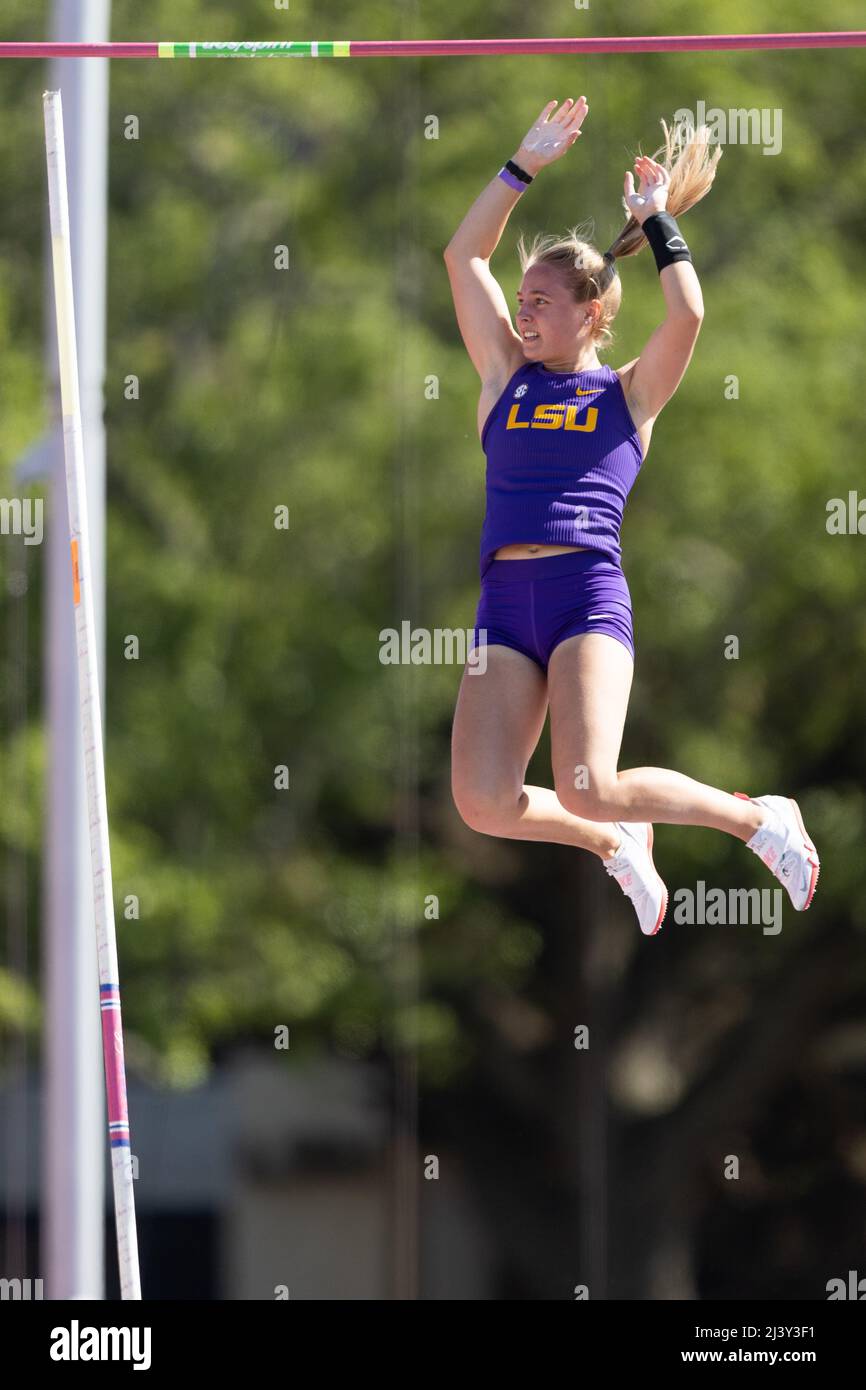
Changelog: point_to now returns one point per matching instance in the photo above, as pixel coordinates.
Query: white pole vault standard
(89, 705)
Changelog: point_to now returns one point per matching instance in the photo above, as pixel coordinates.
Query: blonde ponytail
(588, 273)
(686, 154)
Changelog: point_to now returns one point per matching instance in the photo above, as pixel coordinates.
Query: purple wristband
(512, 180)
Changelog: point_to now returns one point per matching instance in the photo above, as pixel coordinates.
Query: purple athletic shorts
(533, 605)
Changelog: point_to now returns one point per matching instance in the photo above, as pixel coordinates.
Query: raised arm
(482, 311)
(658, 371)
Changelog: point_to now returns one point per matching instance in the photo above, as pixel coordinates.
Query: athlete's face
(545, 308)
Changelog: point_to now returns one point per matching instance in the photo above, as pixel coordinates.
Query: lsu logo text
(553, 417)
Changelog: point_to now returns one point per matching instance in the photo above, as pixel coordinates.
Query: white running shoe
(783, 845)
(633, 868)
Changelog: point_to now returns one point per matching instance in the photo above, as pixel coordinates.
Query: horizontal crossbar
(438, 48)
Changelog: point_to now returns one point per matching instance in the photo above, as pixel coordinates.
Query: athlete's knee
(487, 810)
(589, 793)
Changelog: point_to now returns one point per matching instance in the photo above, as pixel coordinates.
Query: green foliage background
(306, 388)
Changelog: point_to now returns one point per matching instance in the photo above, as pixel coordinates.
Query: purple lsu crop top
(562, 456)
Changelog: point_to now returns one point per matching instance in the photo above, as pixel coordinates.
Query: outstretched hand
(652, 195)
(553, 133)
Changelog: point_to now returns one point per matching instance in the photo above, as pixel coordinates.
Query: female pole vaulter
(565, 437)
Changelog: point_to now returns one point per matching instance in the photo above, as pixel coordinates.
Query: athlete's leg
(589, 679)
(497, 724)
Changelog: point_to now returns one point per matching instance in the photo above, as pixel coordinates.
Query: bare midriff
(530, 551)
